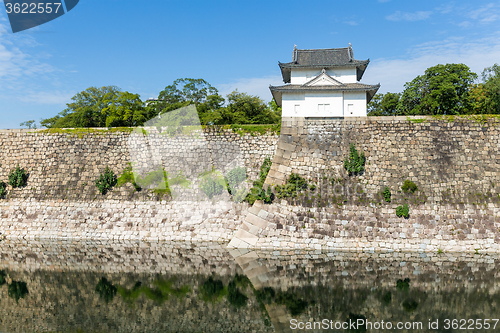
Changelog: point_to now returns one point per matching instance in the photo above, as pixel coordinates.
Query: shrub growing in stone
(409, 186)
(355, 163)
(18, 177)
(234, 178)
(3, 190)
(212, 185)
(387, 194)
(295, 184)
(403, 211)
(257, 191)
(106, 181)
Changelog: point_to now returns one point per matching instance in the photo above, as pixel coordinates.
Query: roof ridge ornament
(349, 50)
(294, 58)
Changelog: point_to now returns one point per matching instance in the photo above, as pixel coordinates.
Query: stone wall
(66, 165)
(454, 162)
(61, 200)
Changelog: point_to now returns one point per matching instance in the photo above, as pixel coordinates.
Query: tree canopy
(442, 90)
(108, 106)
(100, 107)
(384, 104)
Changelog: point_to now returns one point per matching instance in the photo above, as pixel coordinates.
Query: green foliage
(212, 290)
(18, 177)
(403, 211)
(442, 90)
(294, 185)
(29, 123)
(246, 109)
(235, 297)
(234, 178)
(383, 104)
(409, 186)
(159, 293)
(109, 106)
(257, 192)
(265, 295)
(354, 318)
(125, 110)
(17, 290)
(106, 181)
(293, 303)
(179, 179)
(212, 183)
(410, 305)
(355, 163)
(387, 298)
(491, 89)
(403, 285)
(105, 289)
(127, 176)
(256, 129)
(3, 190)
(101, 107)
(387, 194)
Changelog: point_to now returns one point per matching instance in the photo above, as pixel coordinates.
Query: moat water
(53, 286)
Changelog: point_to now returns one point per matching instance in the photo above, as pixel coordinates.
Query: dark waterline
(202, 287)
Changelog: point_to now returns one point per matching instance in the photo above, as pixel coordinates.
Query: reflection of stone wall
(61, 278)
(67, 302)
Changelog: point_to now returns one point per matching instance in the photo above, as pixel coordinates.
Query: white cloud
(47, 97)
(394, 73)
(401, 16)
(465, 24)
(252, 86)
(352, 22)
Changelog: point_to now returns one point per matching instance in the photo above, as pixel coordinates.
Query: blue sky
(143, 46)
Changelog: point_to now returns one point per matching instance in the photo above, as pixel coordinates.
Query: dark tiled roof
(323, 58)
(340, 87)
(277, 91)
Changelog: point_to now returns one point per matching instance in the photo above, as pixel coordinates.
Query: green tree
(491, 86)
(442, 90)
(183, 92)
(29, 123)
(246, 109)
(126, 109)
(86, 110)
(384, 104)
(477, 95)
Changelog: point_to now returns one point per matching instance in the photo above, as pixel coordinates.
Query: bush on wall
(409, 186)
(18, 177)
(355, 163)
(403, 211)
(3, 190)
(106, 181)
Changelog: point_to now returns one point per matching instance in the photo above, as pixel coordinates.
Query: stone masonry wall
(454, 162)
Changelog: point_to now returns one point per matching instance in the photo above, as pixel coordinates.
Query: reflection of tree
(105, 289)
(17, 290)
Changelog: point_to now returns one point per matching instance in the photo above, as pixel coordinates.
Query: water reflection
(186, 287)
